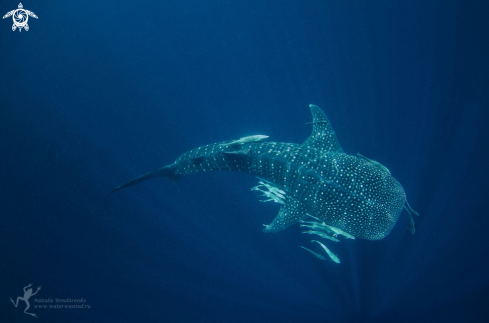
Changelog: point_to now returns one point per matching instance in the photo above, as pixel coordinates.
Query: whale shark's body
(347, 192)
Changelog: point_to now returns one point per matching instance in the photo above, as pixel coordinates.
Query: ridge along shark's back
(317, 178)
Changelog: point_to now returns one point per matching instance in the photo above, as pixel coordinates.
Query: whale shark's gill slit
(350, 195)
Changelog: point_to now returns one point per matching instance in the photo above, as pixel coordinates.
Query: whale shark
(350, 195)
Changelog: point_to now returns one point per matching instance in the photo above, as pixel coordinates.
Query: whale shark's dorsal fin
(323, 136)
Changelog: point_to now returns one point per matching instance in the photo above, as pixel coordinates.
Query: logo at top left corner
(20, 17)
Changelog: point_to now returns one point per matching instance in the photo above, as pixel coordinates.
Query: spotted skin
(318, 178)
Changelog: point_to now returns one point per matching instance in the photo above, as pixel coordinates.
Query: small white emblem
(20, 17)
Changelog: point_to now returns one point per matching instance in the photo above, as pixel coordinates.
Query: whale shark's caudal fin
(166, 171)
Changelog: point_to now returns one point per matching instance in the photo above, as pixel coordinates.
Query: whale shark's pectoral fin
(323, 136)
(290, 213)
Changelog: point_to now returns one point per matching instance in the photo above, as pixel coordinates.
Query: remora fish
(316, 254)
(330, 254)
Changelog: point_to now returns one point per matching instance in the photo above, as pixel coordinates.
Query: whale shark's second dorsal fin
(323, 136)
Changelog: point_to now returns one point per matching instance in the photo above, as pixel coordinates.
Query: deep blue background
(98, 92)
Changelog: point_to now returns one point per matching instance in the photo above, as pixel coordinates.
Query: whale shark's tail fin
(166, 171)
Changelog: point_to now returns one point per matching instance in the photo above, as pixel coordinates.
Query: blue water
(99, 92)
